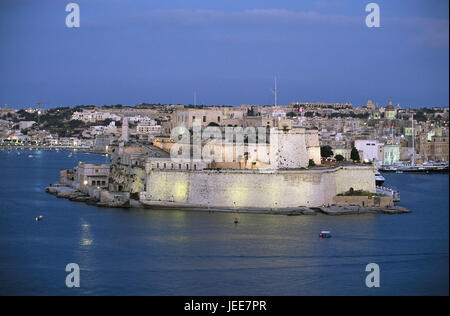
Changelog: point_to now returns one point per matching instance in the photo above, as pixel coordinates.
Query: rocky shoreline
(74, 195)
(70, 194)
(62, 191)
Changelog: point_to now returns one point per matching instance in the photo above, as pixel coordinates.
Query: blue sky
(227, 50)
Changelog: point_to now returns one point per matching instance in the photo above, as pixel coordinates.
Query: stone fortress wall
(250, 189)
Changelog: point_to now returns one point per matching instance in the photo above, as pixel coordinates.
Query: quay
(394, 194)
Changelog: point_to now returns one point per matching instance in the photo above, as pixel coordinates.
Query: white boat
(379, 179)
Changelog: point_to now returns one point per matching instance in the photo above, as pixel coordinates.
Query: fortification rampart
(264, 189)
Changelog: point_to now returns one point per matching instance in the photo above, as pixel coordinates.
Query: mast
(413, 139)
(275, 92)
(392, 133)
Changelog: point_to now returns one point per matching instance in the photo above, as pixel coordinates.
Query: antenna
(39, 111)
(195, 97)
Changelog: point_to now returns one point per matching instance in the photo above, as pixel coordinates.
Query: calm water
(138, 252)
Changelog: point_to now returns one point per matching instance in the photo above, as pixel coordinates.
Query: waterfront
(141, 252)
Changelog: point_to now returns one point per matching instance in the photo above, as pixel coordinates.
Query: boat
(427, 167)
(325, 234)
(236, 221)
(379, 179)
(39, 218)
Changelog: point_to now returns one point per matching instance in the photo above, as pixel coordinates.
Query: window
(164, 165)
(218, 119)
(157, 165)
(204, 119)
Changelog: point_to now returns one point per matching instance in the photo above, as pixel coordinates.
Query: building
(102, 143)
(202, 117)
(390, 111)
(321, 105)
(92, 174)
(148, 129)
(26, 124)
(436, 149)
(372, 151)
(370, 105)
(391, 154)
(90, 116)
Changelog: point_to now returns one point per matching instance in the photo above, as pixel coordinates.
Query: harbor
(117, 242)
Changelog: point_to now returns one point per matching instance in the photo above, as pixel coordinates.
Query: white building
(147, 129)
(94, 116)
(372, 151)
(26, 124)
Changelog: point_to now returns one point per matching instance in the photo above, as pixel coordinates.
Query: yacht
(379, 179)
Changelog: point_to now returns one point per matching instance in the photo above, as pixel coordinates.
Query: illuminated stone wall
(255, 188)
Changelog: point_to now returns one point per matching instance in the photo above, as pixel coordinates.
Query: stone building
(390, 111)
(436, 149)
(202, 117)
(92, 174)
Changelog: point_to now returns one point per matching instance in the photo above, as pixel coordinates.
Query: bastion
(236, 189)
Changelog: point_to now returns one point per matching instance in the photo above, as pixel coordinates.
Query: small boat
(325, 234)
(379, 179)
(39, 218)
(236, 221)
(30, 156)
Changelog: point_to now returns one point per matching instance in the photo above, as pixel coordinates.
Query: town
(381, 134)
(244, 157)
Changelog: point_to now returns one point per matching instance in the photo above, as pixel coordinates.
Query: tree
(420, 116)
(354, 155)
(339, 158)
(311, 163)
(326, 151)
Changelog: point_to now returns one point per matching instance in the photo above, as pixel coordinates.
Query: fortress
(253, 189)
(274, 175)
(281, 172)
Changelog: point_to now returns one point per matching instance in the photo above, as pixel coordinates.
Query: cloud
(419, 31)
(253, 16)
(328, 4)
(432, 32)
